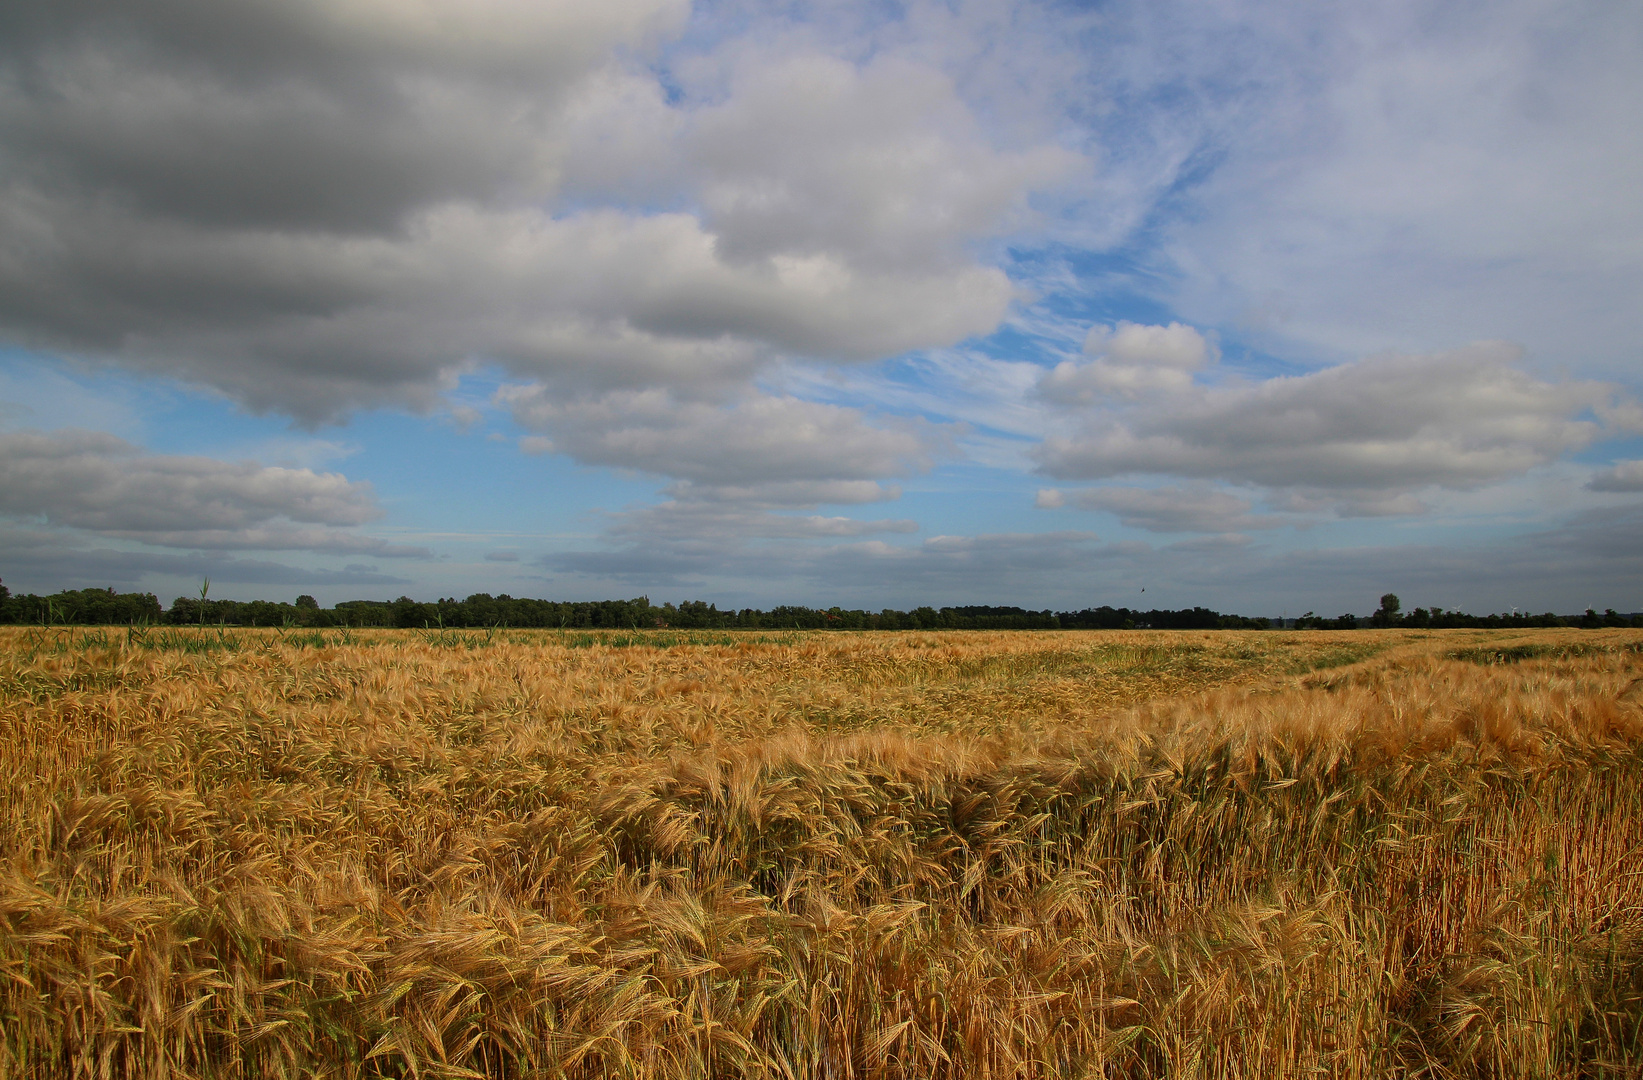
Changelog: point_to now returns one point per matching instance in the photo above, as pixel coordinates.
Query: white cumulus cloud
(762, 445)
(1380, 427)
(95, 482)
(1130, 360)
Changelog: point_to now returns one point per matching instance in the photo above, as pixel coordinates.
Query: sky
(1268, 307)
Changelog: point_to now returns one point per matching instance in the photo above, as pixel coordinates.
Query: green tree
(407, 613)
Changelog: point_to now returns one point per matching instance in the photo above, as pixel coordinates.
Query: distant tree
(1388, 613)
(407, 613)
(307, 602)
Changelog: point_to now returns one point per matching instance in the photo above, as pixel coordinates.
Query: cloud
(1592, 555)
(273, 538)
(104, 485)
(1349, 503)
(748, 529)
(1136, 345)
(742, 472)
(882, 163)
(1001, 568)
(654, 213)
(1588, 559)
(688, 521)
(1399, 175)
(1000, 559)
(1623, 476)
(1358, 432)
(316, 208)
(1167, 509)
(339, 117)
(1212, 544)
(316, 324)
(1131, 360)
(787, 494)
(42, 560)
(768, 448)
(1599, 537)
(502, 556)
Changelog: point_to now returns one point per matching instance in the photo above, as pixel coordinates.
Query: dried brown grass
(890, 855)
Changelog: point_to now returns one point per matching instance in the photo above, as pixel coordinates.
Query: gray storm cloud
(323, 207)
(332, 116)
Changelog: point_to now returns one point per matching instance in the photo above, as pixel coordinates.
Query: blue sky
(1268, 307)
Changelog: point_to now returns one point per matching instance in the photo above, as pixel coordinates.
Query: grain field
(669, 855)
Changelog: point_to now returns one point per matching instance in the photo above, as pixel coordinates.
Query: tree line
(107, 607)
(1390, 613)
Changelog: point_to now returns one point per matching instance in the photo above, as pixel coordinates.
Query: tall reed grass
(248, 854)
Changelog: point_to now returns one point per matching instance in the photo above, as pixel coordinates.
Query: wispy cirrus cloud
(1399, 176)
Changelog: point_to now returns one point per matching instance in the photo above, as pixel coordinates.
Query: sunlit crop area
(505, 853)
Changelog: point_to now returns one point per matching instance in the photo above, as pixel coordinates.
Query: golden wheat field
(436, 854)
